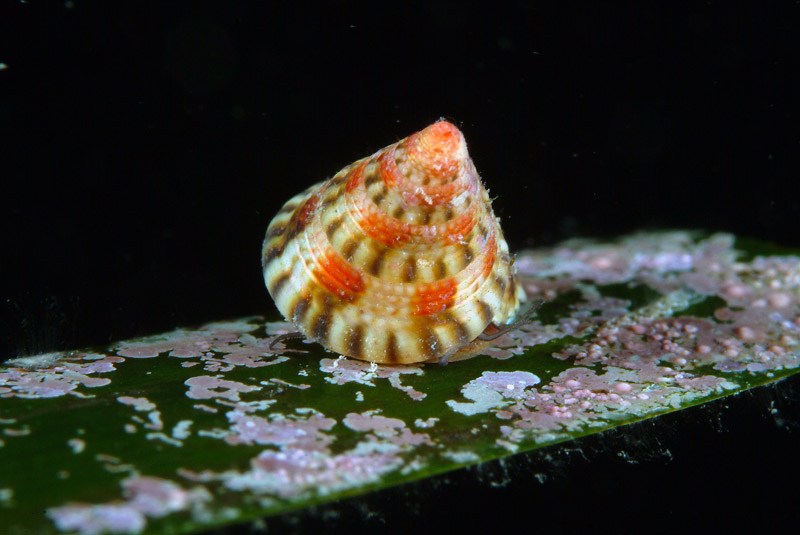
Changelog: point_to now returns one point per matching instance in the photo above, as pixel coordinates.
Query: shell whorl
(398, 258)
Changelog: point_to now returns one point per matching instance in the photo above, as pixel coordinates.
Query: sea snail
(396, 259)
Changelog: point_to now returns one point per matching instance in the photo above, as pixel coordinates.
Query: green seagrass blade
(206, 427)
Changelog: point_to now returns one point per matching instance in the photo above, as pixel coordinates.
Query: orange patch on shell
(389, 231)
(338, 276)
(413, 194)
(434, 149)
(306, 211)
(434, 297)
(356, 179)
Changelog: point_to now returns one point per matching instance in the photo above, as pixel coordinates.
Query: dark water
(146, 148)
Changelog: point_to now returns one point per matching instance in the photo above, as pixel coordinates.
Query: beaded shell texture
(396, 259)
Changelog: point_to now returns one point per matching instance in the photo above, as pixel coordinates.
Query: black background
(145, 147)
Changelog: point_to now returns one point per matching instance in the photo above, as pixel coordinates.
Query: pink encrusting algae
(306, 433)
(145, 497)
(345, 371)
(391, 430)
(210, 387)
(646, 325)
(59, 380)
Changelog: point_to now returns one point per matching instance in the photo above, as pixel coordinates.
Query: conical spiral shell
(396, 259)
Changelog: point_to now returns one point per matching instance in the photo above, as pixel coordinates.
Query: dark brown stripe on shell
(512, 287)
(458, 327)
(410, 269)
(378, 198)
(398, 212)
(273, 252)
(501, 283)
(439, 269)
(485, 311)
(300, 309)
(277, 230)
(374, 267)
(277, 285)
(468, 255)
(349, 249)
(355, 342)
(333, 226)
(295, 228)
(371, 179)
(392, 352)
(448, 213)
(300, 218)
(431, 344)
(322, 324)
